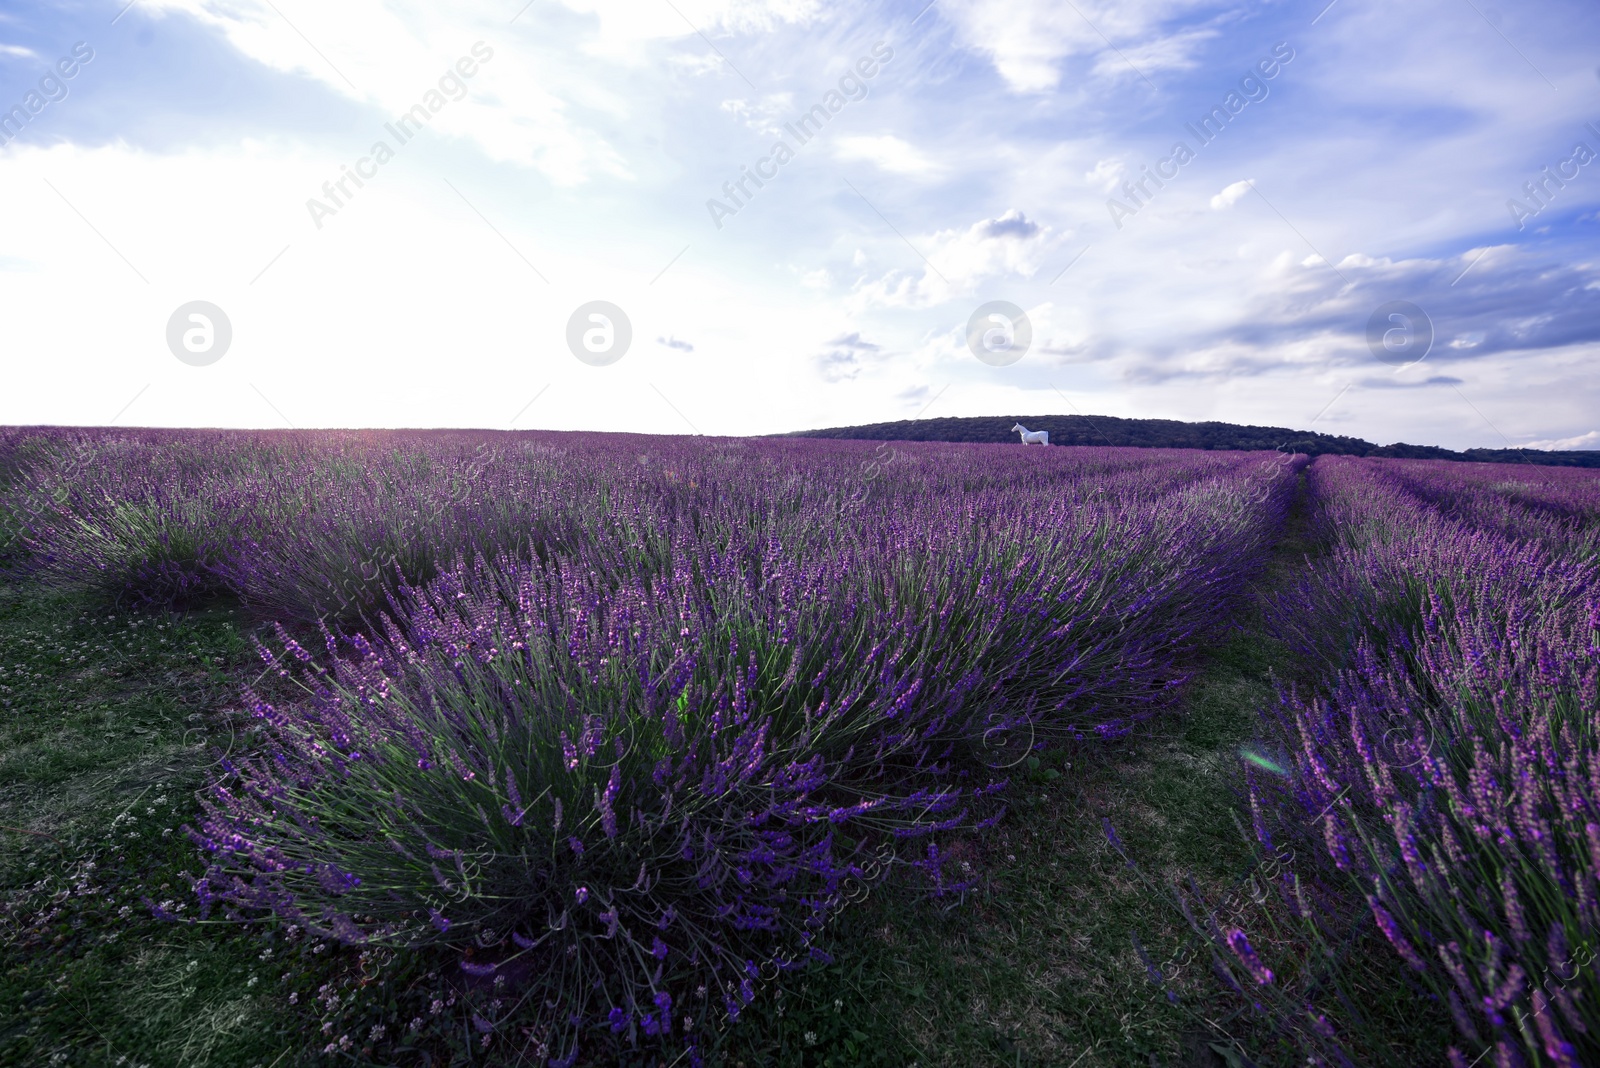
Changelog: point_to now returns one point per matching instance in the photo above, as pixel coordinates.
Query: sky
(754, 216)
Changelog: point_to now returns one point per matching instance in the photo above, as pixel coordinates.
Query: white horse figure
(1032, 437)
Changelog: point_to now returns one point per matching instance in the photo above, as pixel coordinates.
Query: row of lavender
(1446, 765)
(308, 525)
(640, 715)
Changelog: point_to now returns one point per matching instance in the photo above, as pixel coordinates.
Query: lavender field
(561, 748)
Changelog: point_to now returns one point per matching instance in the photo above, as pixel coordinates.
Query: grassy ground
(104, 720)
(106, 726)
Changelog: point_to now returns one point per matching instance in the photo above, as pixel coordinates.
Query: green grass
(104, 723)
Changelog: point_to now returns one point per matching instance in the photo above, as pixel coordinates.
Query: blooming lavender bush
(1554, 505)
(593, 790)
(642, 768)
(301, 526)
(1450, 765)
(1475, 831)
(308, 526)
(141, 516)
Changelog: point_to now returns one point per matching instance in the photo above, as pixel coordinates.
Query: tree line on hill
(1174, 434)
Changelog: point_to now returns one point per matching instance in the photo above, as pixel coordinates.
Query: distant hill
(1173, 434)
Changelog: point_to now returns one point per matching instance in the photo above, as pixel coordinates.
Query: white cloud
(1027, 40)
(846, 357)
(19, 51)
(623, 24)
(1230, 195)
(1591, 440)
(1175, 52)
(889, 153)
(766, 115)
(518, 108)
(1107, 174)
(959, 260)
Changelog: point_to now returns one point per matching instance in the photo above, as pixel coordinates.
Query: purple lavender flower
(1391, 931)
(663, 1003)
(1558, 1049)
(605, 800)
(1513, 906)
(1320, 1024)
(1240, 944)
(1335, 839)
(1509, 990)
(1458, 1012)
